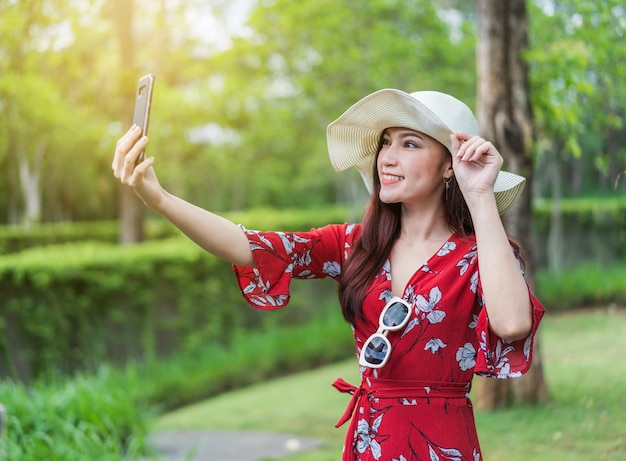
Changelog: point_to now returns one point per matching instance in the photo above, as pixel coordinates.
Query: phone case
(143, 101)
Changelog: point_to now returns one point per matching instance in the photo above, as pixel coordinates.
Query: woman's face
(411, 167)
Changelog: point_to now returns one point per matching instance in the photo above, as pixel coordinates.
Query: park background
(109, 318)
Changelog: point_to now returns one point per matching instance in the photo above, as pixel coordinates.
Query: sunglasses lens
(375, 350)
(395, 315)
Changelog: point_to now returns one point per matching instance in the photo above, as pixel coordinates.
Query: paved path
(227, 445)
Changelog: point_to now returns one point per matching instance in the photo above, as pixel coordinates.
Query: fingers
(475, 149)
(139, 173)
(127, 151)
(455, 142)
(123, 146)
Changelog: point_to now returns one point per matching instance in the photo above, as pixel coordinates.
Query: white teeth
(390, 177)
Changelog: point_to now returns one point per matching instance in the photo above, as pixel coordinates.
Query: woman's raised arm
(476, 164)
(213, 233)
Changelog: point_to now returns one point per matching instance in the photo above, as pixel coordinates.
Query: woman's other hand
(476, 163)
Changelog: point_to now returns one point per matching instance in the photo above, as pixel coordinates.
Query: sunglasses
(376, 350)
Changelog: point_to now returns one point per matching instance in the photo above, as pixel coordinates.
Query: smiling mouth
(391, 177)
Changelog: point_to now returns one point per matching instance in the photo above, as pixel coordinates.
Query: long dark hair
(380, 229)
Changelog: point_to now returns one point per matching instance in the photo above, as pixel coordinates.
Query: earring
(447, 181)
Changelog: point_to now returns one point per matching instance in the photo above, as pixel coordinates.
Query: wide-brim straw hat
(353, 139)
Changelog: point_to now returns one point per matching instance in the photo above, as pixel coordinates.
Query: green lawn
(585, 420)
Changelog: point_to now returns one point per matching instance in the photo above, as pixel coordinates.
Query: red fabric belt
(387, 388)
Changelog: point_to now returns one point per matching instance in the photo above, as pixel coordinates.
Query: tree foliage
(578, 74)
(243, 99)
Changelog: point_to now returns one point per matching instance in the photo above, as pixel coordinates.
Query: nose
(388, 154)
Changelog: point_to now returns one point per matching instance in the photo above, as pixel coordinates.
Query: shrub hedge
(587, 285)
(15, 238)
(72, 306)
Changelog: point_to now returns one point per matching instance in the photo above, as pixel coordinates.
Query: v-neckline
(426, 264)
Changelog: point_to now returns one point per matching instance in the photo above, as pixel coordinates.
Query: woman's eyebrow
(405, 134)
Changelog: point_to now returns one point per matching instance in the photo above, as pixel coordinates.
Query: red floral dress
(416, 407)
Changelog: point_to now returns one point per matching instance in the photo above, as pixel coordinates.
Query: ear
(449, 169)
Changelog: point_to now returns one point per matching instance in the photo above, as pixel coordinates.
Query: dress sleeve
(281, 256)
(497, 358)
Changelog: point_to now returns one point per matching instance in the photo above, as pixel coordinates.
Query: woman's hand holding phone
(138, 176)
(129, 165)
(215, 234)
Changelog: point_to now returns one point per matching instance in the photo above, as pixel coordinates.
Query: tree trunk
(30, 174)
(505, 118)
(132, 210)
(555, 234)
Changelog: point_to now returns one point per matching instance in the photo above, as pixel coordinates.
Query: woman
(429, 281)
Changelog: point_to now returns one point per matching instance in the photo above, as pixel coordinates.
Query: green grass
(585, 419)
(90, 417)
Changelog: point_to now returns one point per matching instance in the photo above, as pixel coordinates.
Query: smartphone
(143, 101)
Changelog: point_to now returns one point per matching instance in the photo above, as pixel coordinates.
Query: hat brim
(353, 139)
(356, 133)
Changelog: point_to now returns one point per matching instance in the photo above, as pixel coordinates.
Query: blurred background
(244, 91)
(93, 285)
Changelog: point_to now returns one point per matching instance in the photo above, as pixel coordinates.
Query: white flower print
(401, 458)
(450, 454)
(433, 298)
(434, 345)
(346, 253)
(468, 260)
(474, 282)
(267, 243)
(527, 346)
(267, 300)
(502, 363)
(414, 321)
(250, 288)
(476, 455)
(304, 259)
(466, 356)
(386, 270)
(436, 316)
(332, 268)
(386, 296)
(306, 274)
(254, 247)
(287, 244)
(446, 248)
(504, 368)
(299, 239)
(367, 437)
(474, 323)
